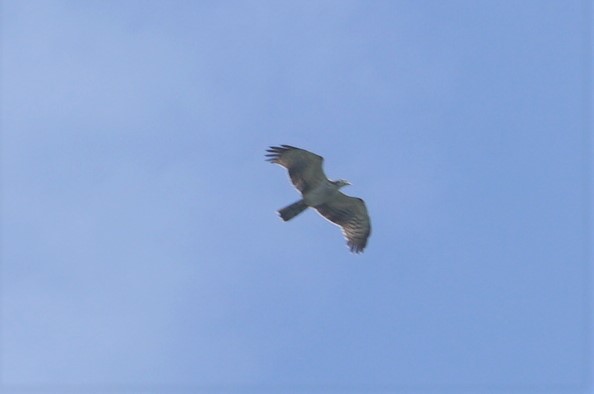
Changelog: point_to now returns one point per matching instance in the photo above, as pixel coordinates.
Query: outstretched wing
(305, 168)
(350, 213)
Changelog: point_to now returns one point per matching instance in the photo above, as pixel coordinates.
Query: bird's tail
(288, 213)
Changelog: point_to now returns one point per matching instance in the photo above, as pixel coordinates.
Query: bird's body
(306, 173)
(322, 193)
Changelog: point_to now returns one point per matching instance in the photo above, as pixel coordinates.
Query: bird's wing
(305, 168)
(350, 213)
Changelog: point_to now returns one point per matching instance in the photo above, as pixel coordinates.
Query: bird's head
(341, 183)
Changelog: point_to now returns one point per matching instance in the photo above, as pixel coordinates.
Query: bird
(322, 194)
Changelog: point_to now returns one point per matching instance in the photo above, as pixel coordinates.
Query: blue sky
(140, 246)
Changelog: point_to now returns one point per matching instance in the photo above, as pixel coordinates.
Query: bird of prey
(322, 194)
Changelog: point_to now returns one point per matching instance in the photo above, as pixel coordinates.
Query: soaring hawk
(322, 194)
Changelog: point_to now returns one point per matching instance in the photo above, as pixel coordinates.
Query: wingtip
(280, 148)
(273, 154)
(356, 248)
